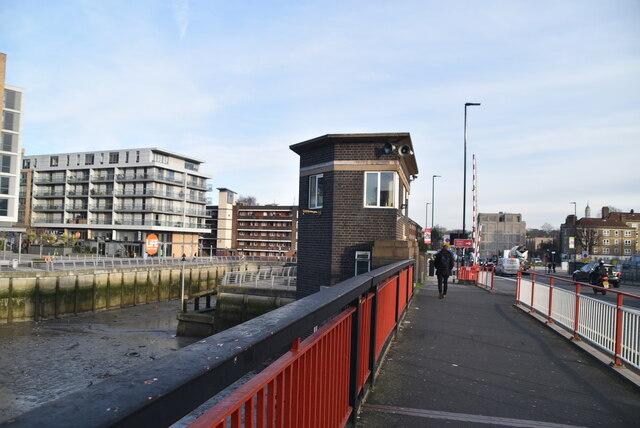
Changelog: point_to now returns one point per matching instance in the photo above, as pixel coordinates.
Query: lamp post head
(471, 104)
(434, 176)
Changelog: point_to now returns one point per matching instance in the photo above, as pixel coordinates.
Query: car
(508, 266)
(584, 274)
(537, 261)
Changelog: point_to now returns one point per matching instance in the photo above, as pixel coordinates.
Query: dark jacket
(444, 262)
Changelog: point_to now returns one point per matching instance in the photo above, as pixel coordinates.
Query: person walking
(443, 264)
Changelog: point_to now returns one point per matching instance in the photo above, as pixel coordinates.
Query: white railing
(271, 277)
(613, 328)
(485, 277)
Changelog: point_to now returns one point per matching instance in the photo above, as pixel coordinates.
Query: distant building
(354, 196)
(613, 236)
(114, 199)
(10, 150)
(250, 230)
(500, 231)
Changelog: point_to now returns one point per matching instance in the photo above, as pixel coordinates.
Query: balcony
(58, 194)
(72, 208)
(50, 207)
(195, 198)
(78, 194)
(49, 180)
(105, 177)
(133, 208)
(44, 220)
(102, 193)
(101, 222)
(78, 178)
(199, 185)
(96, 208)
(134, 177)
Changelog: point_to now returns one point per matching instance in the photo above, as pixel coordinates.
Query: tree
(547, 228)
(247, 200)
(586, 239)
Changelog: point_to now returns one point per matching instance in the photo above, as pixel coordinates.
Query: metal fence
(60, 263)
(613, 328)
(273, 276)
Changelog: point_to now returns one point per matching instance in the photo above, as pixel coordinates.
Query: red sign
(152, 244)
(463, 243)
(427, 236)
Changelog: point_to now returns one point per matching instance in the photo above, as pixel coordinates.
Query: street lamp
(433, 178)
(575, 210)
(464, 192)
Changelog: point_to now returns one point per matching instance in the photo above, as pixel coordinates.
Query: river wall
(34, 295)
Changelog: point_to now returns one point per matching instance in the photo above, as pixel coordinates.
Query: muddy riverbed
(42, 361)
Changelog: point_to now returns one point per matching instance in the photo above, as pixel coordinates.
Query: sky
(235, 83)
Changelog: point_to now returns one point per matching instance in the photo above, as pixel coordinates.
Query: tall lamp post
(464, 192)
(433, 178)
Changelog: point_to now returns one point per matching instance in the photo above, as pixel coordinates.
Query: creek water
(42, 361)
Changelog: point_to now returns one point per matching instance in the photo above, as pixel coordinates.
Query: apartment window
(316, 191)
(5, 164)
(615, 250)
(605, 242)
(4, 207)
(380, 189)
(190, 165)
(363, 262)
(605, 251)
(126, 157)
(10, 121)
(627, 242)
(627, 251)
(4, 185)
(595, 250)
(12, 99)
(53, 161)
(157, 157)
(616, 242)
(230, 198)
(68, 159)
(137, 156)
(7, 142)
(78, 159)
(26, 163)
(89, 159)
(114, 157)
(101, 158)
(606, 233)
(627, 233)
(616, 233)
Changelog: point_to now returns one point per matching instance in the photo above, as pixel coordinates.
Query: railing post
(354, 366)
(517, 288)
(576, 315)
(618, 343)
(532, 292)
(551, 282)
(374, 330)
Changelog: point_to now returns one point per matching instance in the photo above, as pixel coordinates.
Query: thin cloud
(181, 16)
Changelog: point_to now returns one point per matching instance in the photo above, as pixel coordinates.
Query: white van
(507, 266)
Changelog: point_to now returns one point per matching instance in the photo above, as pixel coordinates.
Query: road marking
(433, 414)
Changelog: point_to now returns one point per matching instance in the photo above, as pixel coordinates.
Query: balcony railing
(151, 193)
(78, 178)
(47, 180)
(101, 193)
(101, 208)
(108, 177)
(72, 208)
(47, 220)
(48, 194)
(149, 177)
(77, 194)
(48, 207)
(198, 185)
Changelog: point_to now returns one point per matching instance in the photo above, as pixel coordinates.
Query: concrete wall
(27, 296)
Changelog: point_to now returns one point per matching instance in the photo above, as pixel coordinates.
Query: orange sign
(152, 244)
(78, 235)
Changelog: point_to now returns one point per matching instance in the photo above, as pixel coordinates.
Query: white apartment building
(10, 149)
(116, 198)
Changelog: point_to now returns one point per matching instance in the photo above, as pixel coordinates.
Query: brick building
(250, 230)
(613, 236)
(354, 192)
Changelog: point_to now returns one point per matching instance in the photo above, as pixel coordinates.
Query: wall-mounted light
(405, 150)
(388, 148)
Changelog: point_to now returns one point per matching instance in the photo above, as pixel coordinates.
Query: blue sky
(235, 83)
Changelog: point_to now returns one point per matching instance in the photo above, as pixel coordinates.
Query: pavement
(474, 359)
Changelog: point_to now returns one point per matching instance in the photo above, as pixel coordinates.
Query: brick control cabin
(354, 191)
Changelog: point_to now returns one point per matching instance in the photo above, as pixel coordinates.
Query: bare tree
(547, 228)
(247, 200)
(586, 239)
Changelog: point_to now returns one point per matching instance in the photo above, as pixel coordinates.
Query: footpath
(474, 359)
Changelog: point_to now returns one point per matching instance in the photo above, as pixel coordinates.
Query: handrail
(613, 328)
(164, 390)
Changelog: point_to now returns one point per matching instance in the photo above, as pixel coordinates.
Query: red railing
(311, 385)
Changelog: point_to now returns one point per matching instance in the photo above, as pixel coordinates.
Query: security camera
(405, 150)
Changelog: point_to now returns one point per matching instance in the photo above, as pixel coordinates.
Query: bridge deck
(474, 359)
